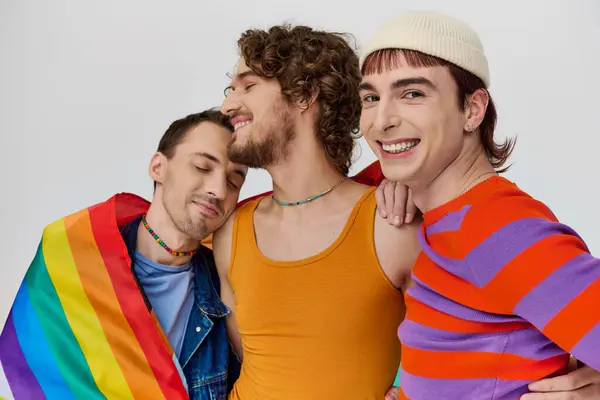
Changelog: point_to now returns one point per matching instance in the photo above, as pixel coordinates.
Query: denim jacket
(209, 365)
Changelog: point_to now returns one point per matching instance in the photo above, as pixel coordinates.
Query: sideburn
(272, 148)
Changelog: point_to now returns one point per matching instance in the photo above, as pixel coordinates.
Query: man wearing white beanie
(502, 292)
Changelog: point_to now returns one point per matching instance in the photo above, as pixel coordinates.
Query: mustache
(210, 200)
(241, 113)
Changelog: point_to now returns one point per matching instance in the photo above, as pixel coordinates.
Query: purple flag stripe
(16, 369)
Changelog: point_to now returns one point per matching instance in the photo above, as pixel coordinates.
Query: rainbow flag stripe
(79, 327)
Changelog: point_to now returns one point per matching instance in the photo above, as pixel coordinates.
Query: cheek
(231, 201)
(432, 123)
(372, 145)
(182, 184)
(366, 123)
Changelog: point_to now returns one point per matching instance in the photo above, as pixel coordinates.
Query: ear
(475, 108)
(158, 167)
(310, 97)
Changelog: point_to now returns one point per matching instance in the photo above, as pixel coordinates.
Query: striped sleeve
(530, 265)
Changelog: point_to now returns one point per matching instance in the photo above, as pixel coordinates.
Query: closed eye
(233, 185)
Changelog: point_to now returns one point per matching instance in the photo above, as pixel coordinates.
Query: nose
(230, 104)
(386, 116)
(216, 186)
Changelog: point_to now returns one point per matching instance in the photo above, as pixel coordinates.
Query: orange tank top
(324, 327)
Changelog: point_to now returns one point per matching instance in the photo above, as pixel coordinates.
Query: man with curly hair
(317, 276)
(313, 276)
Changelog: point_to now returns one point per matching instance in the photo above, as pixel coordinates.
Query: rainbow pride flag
(79, 327)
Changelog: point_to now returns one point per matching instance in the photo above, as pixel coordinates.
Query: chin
(396, 173)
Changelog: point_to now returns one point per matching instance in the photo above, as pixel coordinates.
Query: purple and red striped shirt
(502, 293)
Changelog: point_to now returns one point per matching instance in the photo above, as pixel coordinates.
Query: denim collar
(206, 280)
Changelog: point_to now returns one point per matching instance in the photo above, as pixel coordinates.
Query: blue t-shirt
(170, 291)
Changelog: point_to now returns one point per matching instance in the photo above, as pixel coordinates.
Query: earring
(469, 128)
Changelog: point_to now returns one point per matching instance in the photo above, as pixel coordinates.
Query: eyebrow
(212, 158)
(245, 74)
(401, 83)
(207, 155)
(241, 76)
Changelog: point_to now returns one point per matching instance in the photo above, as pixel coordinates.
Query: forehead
(241, 67)
(397, 67)
(209, 138)
(242, 72)
(206, 136)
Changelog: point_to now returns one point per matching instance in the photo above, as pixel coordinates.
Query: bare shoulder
(397, 249)
(222, 241)
(350, 194)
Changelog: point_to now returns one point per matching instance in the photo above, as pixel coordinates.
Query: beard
(276, 133)
(193, 227)
(196, 229)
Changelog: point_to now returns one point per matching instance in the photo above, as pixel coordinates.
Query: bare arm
(222, 252)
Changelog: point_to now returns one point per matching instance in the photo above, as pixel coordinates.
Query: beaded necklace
(308, 199)
(164, 245)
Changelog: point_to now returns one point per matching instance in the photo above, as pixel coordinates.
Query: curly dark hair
(306, 62)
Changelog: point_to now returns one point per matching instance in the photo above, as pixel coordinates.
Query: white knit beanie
(435, 34)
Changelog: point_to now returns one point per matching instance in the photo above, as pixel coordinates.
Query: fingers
(388, 193)
(574, 380)
(392, 394)
(587, 392)
(411, 208)
(394, 203)
(399, 205)
(380, 199)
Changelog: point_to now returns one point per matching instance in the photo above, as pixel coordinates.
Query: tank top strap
(361, 229)
(242, 240)
(356, 235)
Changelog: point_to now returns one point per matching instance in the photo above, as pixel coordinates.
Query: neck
(304, 172)
(460, 176)
(164, 227)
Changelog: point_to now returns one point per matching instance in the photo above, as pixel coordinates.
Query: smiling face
(263, 120)
(198, 185)
(412, 120)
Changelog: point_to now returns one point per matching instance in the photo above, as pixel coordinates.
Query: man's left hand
(582, 383)
(395, 203)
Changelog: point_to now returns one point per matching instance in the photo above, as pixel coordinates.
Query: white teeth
(241, 124)
(399, 147)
